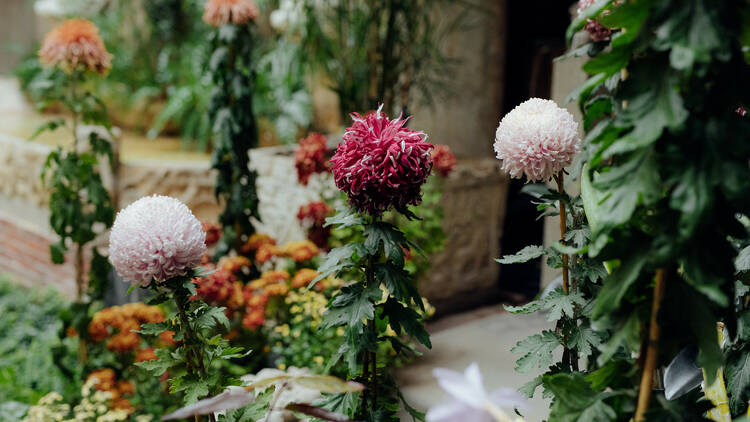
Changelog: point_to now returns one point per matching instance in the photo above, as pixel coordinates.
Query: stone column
(16, 31)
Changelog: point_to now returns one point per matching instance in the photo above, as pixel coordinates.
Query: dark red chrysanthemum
(310, 157)
(381, 164)
(314, 213)
(444, 160)
(313, 216)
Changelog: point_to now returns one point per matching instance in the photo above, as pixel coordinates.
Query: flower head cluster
(221, 12)
(381, 164)
(75, 44)
(156, 238)
(301, 251)
(220, 288)
(538, 139)
(593, 27)
(444, 160)
(256, 241)
(118, 324)
(313, 217)
(104, 380)
(310, 156)
(213, 233)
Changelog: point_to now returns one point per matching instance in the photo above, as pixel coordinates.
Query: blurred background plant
(374, 51)
(159, 84)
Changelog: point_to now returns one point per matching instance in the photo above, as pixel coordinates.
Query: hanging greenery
(235, 130)
(664, 191)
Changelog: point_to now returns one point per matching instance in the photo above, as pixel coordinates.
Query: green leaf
(49, 126)
(618, 283)
(162, 363)
(352, 305)
(575, 400)
(399, 283)
(407, 320)
(337, 260)
(529, 388)
(737, 372)
(585, 340)
(345, 218)
(654, 104)
(210, 316)
(742, 262)
(153, 328)
(388, 235)
(536, 350)
(559, 304)
(57, 253)
(524, 255)
(529, 308)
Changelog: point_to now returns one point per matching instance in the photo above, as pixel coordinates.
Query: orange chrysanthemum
(301, 251)
(257, 240)
(266, 252)
(222, 12)
(304, 277)
(75, 43)
(145, 354)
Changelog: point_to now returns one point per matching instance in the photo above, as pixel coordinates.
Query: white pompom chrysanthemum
(156, 238)
(538, 139)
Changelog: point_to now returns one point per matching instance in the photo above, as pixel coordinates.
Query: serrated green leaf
(536, 350)
(529, 308)
(524, 255)
(345, 218)
(337, 260)
(390, 237)
(559, 304)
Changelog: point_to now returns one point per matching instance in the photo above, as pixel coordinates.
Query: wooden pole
(652, 348)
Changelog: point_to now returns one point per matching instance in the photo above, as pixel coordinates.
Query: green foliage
(235, 132)
(385, 299)
(201, 347)
(381, 51)
(29, 339)
(664, 186)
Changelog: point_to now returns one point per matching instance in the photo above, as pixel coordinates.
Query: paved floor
(484, 336)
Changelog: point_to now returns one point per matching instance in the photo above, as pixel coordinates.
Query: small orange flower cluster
(301, 251)
(257, 294)
(265, 248)
(118, 324)
(119, 389)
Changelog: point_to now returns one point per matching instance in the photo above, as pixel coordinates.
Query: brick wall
(24, 256)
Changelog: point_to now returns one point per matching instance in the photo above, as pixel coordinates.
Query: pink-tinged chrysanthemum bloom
(538, 139)
(221, 12)
(74, 43)
(381, 164)
(593, 27)
(468, 400)
(444, 160)
(310, 157)
(156, 238)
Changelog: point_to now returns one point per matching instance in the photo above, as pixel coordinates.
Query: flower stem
(563, 229)
(652, 350)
